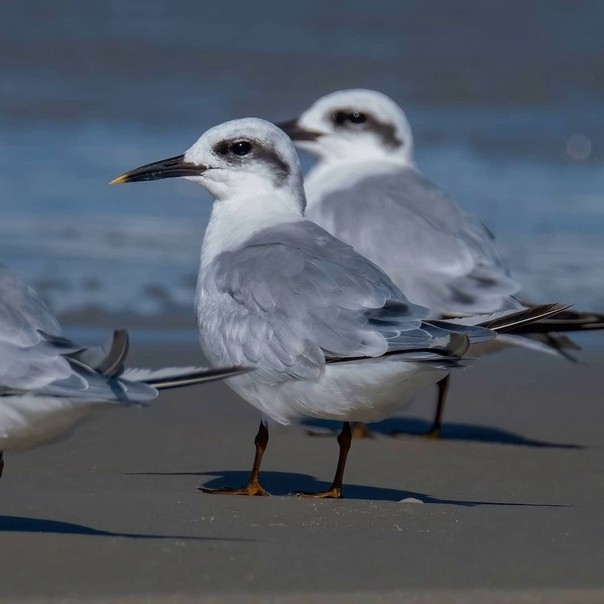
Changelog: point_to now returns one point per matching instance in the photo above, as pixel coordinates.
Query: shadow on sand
(289, 483)
(401, 427)
(23, 524)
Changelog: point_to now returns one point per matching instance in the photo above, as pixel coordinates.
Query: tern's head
(245, 157)
(353, 125)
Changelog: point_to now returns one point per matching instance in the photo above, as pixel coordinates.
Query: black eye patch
(234, 151)
(349, 117)
(238, 147)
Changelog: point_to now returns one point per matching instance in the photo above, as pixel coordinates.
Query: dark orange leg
(435, 430)
(335, 492)
(443, 389)
(359, 431)
(253, 486)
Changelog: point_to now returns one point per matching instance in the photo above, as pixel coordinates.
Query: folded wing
(439, 255)
(294, 296)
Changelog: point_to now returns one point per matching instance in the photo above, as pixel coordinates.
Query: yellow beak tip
(119, 180)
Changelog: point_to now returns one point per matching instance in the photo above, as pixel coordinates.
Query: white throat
(234, 220)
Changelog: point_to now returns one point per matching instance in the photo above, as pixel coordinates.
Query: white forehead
(359, 99)
(250, 128)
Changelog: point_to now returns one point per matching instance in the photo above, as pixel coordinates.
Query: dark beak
(172, 167)
(293, 129)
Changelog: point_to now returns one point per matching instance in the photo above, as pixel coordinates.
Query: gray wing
(294, 296)
(439, 255)
(54, 367)
(35, 358)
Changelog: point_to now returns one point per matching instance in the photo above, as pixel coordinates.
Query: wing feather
(439, 255)
(293, 296)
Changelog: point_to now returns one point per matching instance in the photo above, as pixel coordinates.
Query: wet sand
(511, 512)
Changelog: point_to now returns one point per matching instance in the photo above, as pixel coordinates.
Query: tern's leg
(435, 430)
(359, 431)
(253, 485)
(335, 492)
(443, 389)
(1, 463)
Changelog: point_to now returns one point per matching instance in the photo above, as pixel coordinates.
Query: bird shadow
(289, 483)
(23, 524)
(415, 427)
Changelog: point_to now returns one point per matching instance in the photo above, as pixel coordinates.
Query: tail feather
(510, 320)
(568, 320)
(113, 363)
(434, 357)
(530, 334)
(543, 328)
(108, 360)
(444, 356)
(176, 377)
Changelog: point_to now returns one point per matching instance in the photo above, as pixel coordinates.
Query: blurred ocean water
(505, 98)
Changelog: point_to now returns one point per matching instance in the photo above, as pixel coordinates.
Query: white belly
(29, 421)
(364, 391)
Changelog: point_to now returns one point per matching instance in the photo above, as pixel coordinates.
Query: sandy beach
(511, 512)
(505, 102)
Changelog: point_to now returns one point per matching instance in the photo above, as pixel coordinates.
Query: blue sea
(506, 101)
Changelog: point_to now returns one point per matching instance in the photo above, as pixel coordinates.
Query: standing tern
(366, 190)
(327, 332)
(49, 384)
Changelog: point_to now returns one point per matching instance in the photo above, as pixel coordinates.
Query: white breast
(28, 421)
(367, 391)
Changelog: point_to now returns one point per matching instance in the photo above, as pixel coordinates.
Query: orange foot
(434, 434)
(252, 489)
(333, 493)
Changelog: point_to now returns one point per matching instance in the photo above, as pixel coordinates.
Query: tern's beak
(297, 133)
(173, 167)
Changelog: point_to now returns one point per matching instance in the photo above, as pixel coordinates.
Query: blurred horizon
(505, 100)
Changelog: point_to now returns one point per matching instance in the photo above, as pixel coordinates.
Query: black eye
(357, 118)
(351, 117)
(240, 148)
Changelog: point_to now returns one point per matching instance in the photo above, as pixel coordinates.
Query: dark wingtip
(520, 321)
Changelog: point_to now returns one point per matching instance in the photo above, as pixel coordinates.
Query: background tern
(366, 190)
(49, 383)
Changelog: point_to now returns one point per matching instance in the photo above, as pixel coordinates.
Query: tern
(327, 332)
(366, 190)
(49, 383)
